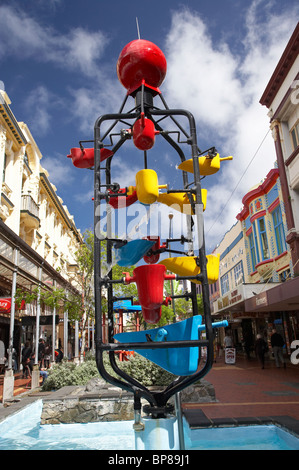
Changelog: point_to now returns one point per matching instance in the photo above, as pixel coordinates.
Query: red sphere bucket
(150, 283)
(141, 60)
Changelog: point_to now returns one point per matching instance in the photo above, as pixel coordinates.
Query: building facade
(264, 227)
(254, 260)
(281, 97)
(38, 236)
(268, 226)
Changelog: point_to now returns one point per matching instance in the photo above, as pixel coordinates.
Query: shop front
(253, 309)
(22, 268)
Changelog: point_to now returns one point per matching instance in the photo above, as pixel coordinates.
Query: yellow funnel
(207, 166)
(186, 266)
(180, 201)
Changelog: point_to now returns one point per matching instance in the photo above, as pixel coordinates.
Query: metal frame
(157, 400)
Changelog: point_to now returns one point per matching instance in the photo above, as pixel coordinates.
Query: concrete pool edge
(197, 419)
(286, 424)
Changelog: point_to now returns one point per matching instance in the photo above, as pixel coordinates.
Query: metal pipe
(12, 311)
(178, 411)
(37, 315)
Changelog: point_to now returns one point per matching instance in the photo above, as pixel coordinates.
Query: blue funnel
(126, 305)
(132, 252)
(178, 361)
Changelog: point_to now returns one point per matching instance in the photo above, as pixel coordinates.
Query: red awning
(5, 305)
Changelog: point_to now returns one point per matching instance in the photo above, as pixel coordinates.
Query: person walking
(41, 352)
(227, 341)
(260, 349)
(277, 344)
(26, 358)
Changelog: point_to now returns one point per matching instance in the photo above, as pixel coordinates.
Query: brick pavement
(244, 389)
(20, 385)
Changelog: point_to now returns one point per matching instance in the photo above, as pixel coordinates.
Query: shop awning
(252, 298)
(284, 297)
(235, 300)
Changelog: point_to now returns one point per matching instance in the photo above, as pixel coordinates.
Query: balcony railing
(30, 211)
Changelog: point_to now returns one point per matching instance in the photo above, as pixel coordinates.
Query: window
(4, 168)
(279, 231)
(284, 275)
(252, 251)
(295, 135)
(263, 238)
(256, 244)
(224, 284)
(26, 160)
(238, 274)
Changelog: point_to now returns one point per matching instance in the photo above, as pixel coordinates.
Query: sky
(58, 66)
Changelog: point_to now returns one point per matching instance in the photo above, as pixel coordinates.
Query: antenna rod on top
(137, 28)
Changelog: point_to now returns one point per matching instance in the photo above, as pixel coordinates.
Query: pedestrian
(26, 358)
(47, 356)
(14, 360)
(2, 357)
(277, 344)
(58, 354)
(260, 349)
(41, 352)
(44, 375)
(228, 342)
(69, 351)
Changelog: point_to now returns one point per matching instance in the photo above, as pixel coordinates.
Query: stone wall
(100, 402)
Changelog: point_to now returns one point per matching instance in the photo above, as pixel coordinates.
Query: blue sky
(58, 65)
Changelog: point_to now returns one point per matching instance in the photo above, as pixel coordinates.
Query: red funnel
(84, 158)
(150, 283)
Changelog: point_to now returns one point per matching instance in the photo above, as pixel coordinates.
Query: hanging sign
(5, 305)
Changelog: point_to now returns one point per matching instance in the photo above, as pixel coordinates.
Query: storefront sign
(230, 355)
(261, 299)
(5, 305)
(231, 298)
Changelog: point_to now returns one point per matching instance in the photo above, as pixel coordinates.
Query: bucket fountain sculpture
(141, 69)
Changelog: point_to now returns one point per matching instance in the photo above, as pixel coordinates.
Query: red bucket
(144, 134)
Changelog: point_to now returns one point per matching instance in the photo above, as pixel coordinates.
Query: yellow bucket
(186, 266)
(147, 186)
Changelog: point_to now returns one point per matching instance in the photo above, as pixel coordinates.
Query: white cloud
(58, 167)
(223, 91)
(25, 38)
(90, 103)
(38, 102)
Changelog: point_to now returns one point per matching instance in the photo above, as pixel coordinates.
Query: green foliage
(68, 373)
(146, 372)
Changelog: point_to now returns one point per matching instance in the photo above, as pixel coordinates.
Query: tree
(183, 307)
(84, 281)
